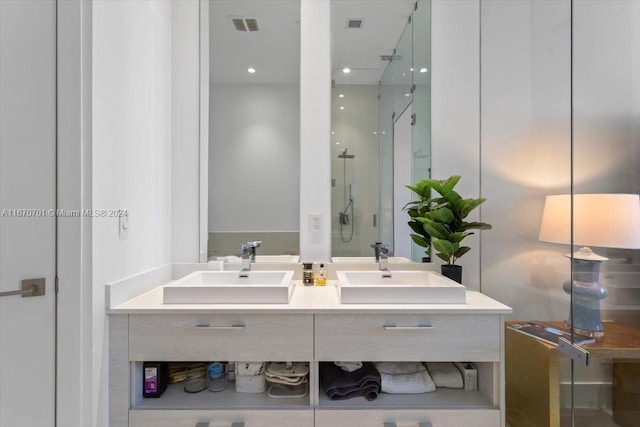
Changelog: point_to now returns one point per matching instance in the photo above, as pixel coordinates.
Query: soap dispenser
(321, 276)
(307, 273)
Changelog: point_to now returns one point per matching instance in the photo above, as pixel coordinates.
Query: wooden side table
(533, 375)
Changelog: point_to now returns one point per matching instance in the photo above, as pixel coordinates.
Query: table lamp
(600, 220)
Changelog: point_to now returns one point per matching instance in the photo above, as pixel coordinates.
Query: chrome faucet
(251, 247)
(379, 248)
(248, 255)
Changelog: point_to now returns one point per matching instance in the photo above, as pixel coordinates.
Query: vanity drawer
(241, 337)
(220, 418)
(400, 337)
(408, 418)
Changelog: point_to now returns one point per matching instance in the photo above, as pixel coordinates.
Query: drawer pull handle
(220, 328)
(206, 424)
(408, 328)
(421, 424)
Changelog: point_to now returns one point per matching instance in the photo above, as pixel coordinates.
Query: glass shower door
(606, 214)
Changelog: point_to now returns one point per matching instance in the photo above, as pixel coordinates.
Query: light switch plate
(123, 225)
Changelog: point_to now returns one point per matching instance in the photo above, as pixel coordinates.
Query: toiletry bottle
(321, 276)
(307, 273)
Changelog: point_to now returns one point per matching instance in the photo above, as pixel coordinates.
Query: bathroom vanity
(313, 327)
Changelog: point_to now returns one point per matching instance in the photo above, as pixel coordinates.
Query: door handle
(30, 288)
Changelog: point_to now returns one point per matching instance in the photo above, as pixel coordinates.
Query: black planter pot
(453, 272)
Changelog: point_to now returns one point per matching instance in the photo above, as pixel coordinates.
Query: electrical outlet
(315, 223)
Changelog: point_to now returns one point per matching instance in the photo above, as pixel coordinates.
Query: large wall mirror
(380, 123)
(254, 125)
(381, 108)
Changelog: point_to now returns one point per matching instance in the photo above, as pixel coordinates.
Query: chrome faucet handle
(251, 248)
(379, 249)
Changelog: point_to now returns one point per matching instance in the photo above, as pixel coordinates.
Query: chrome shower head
(344, 155)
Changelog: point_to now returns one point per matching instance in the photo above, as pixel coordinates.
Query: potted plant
(443, 220)
(419, 209)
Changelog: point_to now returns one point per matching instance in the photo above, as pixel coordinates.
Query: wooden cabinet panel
(398, 337)
(242, 337)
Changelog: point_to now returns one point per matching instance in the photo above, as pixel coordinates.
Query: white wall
(455, 113)
(131, 155)
(185, 131)
(525, 151)
(254, 157)
(74, 381)
(315, 127)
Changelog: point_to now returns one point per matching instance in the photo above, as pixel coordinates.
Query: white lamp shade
(601, 220)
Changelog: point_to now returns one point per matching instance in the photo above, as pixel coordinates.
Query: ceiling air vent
(354, 23)
(252, 24)
(245, 24)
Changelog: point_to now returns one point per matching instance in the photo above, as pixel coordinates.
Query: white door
(27, 227)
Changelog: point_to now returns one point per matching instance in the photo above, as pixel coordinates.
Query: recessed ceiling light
(337, 143)
(342, 108)
(383, 132)
(333, 133)
(407, 94)
(375, 133)
(341, 95)
(423, 70)
(251, 70)
(346, 70)
(411, 69)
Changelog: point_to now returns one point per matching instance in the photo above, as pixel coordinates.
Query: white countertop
(307, 299)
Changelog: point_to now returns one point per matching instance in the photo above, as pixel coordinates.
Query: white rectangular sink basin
(267, 258)
(367, 259)
(227, 287)
(403, 287)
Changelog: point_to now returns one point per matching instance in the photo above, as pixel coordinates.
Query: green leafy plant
(417, 209)
(443, 218)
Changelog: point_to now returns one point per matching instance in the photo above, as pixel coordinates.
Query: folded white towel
(348, 366)
(445, 374)
(418, 382)
(399, 367)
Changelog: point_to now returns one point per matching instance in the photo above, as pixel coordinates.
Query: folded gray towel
(340, 385)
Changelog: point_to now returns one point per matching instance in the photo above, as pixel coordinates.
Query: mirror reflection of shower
(346, 217)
